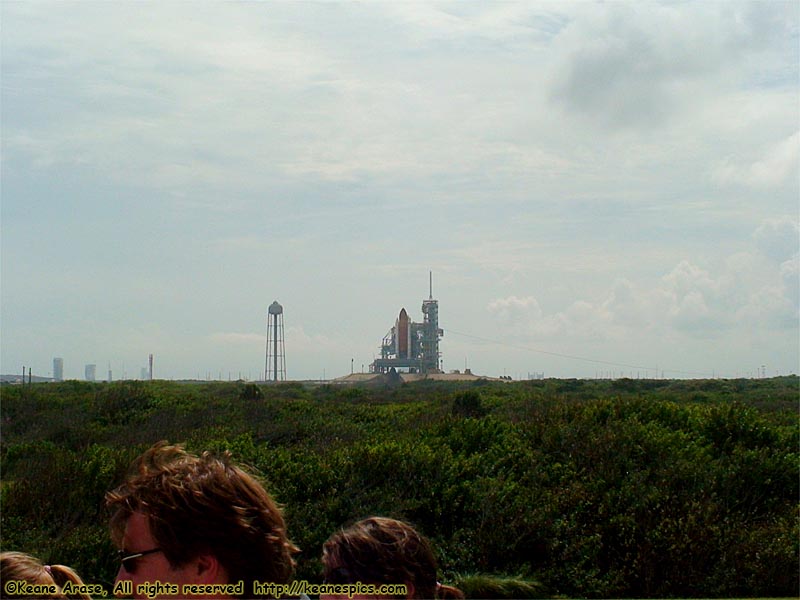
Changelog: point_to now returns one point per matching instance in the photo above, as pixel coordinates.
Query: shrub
(488, 586)
(468, 404)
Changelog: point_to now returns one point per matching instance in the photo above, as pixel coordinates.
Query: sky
(599, 189)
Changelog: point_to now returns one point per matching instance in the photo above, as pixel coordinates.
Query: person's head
(47, 579)
(181, 518)
(380, 551)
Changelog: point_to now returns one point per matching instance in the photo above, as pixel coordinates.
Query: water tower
(275, 367)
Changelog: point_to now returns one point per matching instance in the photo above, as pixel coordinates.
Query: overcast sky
(598, 188)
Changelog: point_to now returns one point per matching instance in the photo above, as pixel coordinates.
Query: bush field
(579, 488)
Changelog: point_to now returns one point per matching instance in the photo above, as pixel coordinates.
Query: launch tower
(412, 347)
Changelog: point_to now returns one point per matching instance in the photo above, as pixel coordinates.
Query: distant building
(58, 369)
(91, 372)
(143, 374)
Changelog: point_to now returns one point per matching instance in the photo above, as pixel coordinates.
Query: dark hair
(205, 504)
(379, 550)
(18, 566)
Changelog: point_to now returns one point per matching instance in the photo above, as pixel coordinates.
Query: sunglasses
(129, 561)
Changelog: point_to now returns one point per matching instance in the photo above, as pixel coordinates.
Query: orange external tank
(402, 334)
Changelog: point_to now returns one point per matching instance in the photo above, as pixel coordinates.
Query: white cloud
(523, 318)
(248, 339)
(686, 278)
(641, 66)
(502, 22)
(301, 341)
(779, 164)
(689, 301)
(778, 239)
(690, 312)
(628, 67)
(790, 275)
(516, 312)
(505, 259)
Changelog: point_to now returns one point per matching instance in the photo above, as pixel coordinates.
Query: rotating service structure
(412, 347)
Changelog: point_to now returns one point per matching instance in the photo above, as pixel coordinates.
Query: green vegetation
(628, 488)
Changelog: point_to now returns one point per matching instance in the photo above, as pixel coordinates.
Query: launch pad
(412, 347)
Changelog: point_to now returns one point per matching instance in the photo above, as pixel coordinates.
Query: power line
(573, 357)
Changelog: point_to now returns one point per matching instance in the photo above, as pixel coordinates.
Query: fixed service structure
(412, 347)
